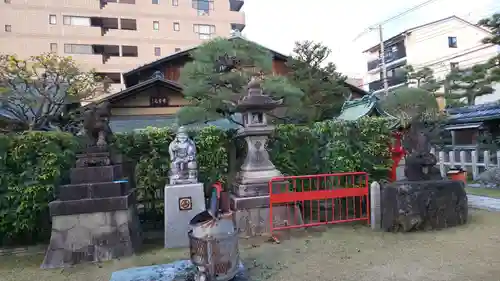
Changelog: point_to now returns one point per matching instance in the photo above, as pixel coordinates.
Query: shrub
(31, 164)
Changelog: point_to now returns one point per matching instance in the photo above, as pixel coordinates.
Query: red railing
(305, 201)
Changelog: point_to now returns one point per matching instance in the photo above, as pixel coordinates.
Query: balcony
(391, 81)
(392, 53)
(235, 5)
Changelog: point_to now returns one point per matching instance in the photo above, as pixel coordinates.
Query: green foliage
(411, 103)
(212, 93)
(493, 23)
(423, 78)
(31, 164)
(323, 86)
(35, 91)
(469, 83)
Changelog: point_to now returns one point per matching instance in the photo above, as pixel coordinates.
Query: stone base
(252, 215)
(92, 237)
(182, 203)
(423, 205)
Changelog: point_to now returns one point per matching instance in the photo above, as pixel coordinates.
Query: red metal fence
(304, 201)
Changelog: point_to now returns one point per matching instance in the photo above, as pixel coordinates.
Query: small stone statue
(96, 124)
(420, 163)
(183, 166)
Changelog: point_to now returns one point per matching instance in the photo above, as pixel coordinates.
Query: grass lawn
(341, 252)
(489, 192)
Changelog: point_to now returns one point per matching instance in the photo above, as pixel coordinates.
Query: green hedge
(31, 164)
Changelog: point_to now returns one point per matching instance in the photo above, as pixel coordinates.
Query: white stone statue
(183, 166)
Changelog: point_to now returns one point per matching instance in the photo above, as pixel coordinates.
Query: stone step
(92, 190)
(98, 174)
(94, 205)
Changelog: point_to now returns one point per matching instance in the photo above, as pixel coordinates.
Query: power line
(375, 26)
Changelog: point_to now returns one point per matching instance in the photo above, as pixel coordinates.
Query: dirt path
(346, 253)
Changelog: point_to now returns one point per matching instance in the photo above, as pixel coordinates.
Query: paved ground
(344, 253)
(482, 202)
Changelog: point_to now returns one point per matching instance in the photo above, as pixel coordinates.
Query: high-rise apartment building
(114, 36)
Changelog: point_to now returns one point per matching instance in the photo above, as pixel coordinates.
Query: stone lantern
(250, 190)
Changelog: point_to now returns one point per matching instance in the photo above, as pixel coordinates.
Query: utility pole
(383, 67)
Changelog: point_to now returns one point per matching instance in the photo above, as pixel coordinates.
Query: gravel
(340, 252)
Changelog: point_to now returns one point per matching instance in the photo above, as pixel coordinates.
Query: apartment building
(114, 36)
(441, 45)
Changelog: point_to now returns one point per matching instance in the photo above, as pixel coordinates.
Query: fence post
(486, 160)
(451, 155)
(441, 164)
(475, 170)
(498, 158)
(375, 218)
(462, 159)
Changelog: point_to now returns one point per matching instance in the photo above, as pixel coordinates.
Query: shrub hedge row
(32, 163)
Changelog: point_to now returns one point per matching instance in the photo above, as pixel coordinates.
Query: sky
(277, 24)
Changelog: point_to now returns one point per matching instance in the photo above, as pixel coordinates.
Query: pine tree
(468, 83)
(324, 88)
(423, 78)
(212, 88)
(493, 24)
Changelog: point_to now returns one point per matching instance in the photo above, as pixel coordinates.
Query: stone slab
(82, 206)
(98, 174)
(176, 271)
(182, 203)
(92, 237)
(257, 189)
(423, 205)
(92, 190)
(252, 215)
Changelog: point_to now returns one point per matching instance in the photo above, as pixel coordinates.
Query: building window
(177, 49)
(8, 28)
(158, 101)
(453, 65)
(452, 42)
(157, 51)
(79, 21)
(203, 6)
(52, 19)
(78, 49)
(177, 26)
(175, 2)
(6, 1)
(53, 47)
(156, 2)
(156, 25)
(204, 31)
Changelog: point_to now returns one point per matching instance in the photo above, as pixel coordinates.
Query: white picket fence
(471, 160)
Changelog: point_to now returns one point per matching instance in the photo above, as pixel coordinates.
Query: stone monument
(424, 200)
(184, 195)
(94, 218)
(250, 189)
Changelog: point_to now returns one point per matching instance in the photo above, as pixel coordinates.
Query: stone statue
(96, 124)
(183, 167)
(420, 163)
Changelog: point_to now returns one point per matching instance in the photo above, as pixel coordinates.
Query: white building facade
(440, 45)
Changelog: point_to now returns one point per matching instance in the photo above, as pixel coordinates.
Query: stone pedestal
(182, 203)
(423, 205)
(94, 218)
(250, 204)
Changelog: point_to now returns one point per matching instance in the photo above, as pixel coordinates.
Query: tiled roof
(474, 113)
(136, 123)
